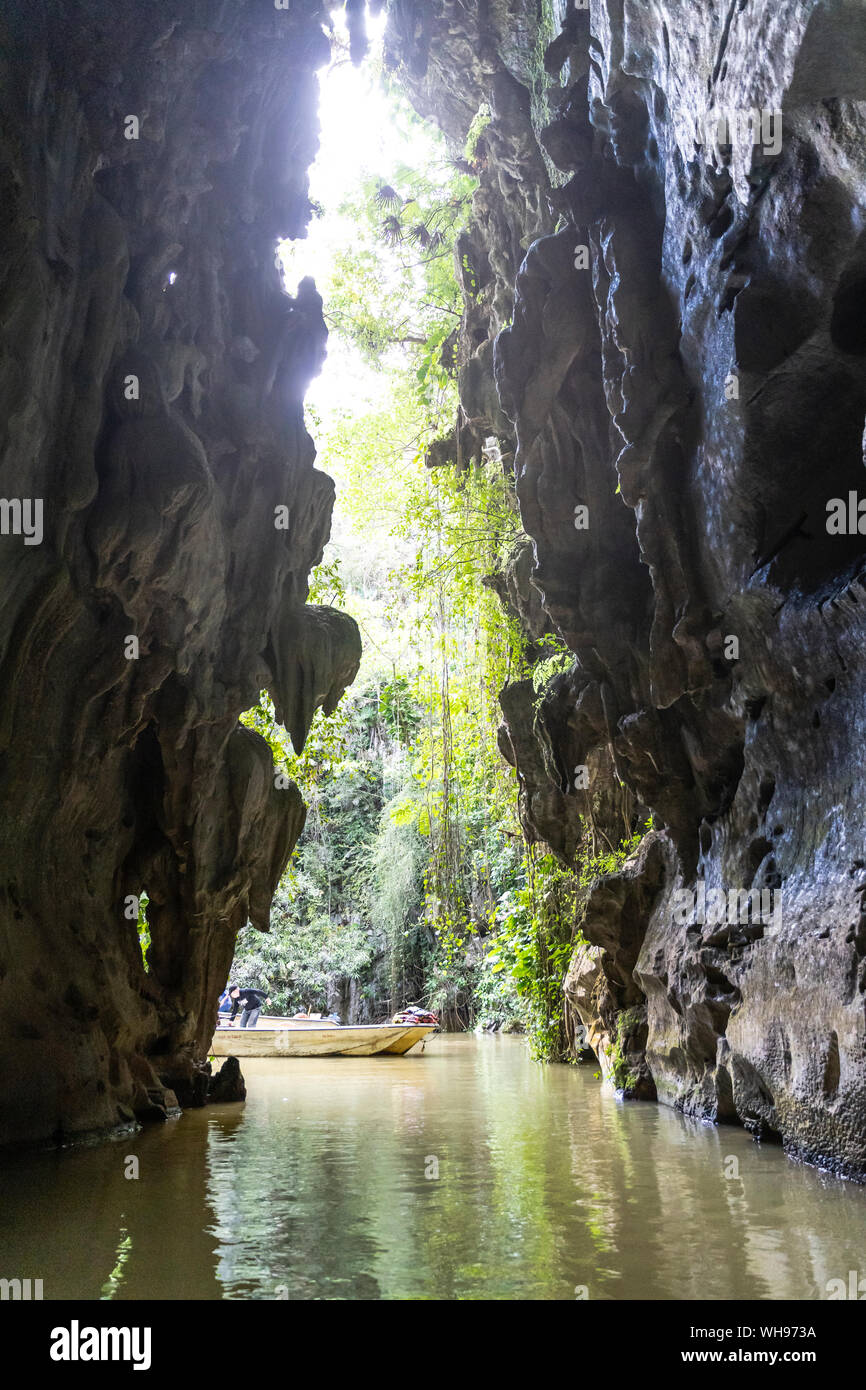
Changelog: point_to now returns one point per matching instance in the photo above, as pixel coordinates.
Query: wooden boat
(287, 1037)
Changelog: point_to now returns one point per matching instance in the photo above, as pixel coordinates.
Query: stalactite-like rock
(152, 379)
(685, 380)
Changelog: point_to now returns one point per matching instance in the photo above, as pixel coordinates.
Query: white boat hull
(278, 1038)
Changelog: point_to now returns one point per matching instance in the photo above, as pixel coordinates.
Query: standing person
(225, 1003)
(250, 1001)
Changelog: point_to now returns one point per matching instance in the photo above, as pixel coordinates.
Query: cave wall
(152, 372)
(678, 347)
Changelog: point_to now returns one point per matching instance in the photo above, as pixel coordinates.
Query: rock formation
(228, 1084)
(161, 513)
(671, 311)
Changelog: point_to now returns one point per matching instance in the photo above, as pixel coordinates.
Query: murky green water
(321, 1186)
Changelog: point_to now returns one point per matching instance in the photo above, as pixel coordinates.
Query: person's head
(234, 991)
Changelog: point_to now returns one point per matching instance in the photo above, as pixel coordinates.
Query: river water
(465, 1172)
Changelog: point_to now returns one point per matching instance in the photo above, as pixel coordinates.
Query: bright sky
(360, 136)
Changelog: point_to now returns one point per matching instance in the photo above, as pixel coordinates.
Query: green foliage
(327, 918)
(479, 123)
(143, 928)
(561, 659)
(539, 83)
(322, 751)
(298, 958)
(535, 935)
(412, 877)
(534, 940)
(595, 866)
(462, 526)
(396, 902)
(621, 1074)
(327, 586)
(498, 1003)
(392, 291)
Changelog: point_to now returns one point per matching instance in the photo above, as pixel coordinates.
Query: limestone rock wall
(687, 362)
(152, 372)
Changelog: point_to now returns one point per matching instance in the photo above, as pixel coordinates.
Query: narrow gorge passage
(433, 548)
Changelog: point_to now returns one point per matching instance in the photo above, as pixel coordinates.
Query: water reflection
(322, 1186)
(98, 1234)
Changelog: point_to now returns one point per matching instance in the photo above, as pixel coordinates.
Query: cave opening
(378, 905)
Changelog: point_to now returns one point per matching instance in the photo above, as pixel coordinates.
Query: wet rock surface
(678, 347)
(152, 377)
(228, 1085)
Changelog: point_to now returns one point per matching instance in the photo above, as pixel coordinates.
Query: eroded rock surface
(679, 350)
(228, 1085)
(153, 370)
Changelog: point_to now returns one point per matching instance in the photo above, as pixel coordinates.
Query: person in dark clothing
(250, 1001)
(225, 1003)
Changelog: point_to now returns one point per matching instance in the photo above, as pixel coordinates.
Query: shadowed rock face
(152, 379)
(695, 378)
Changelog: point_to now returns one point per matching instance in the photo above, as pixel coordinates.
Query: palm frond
(392, 230)
(388, 197)
(419, 235)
